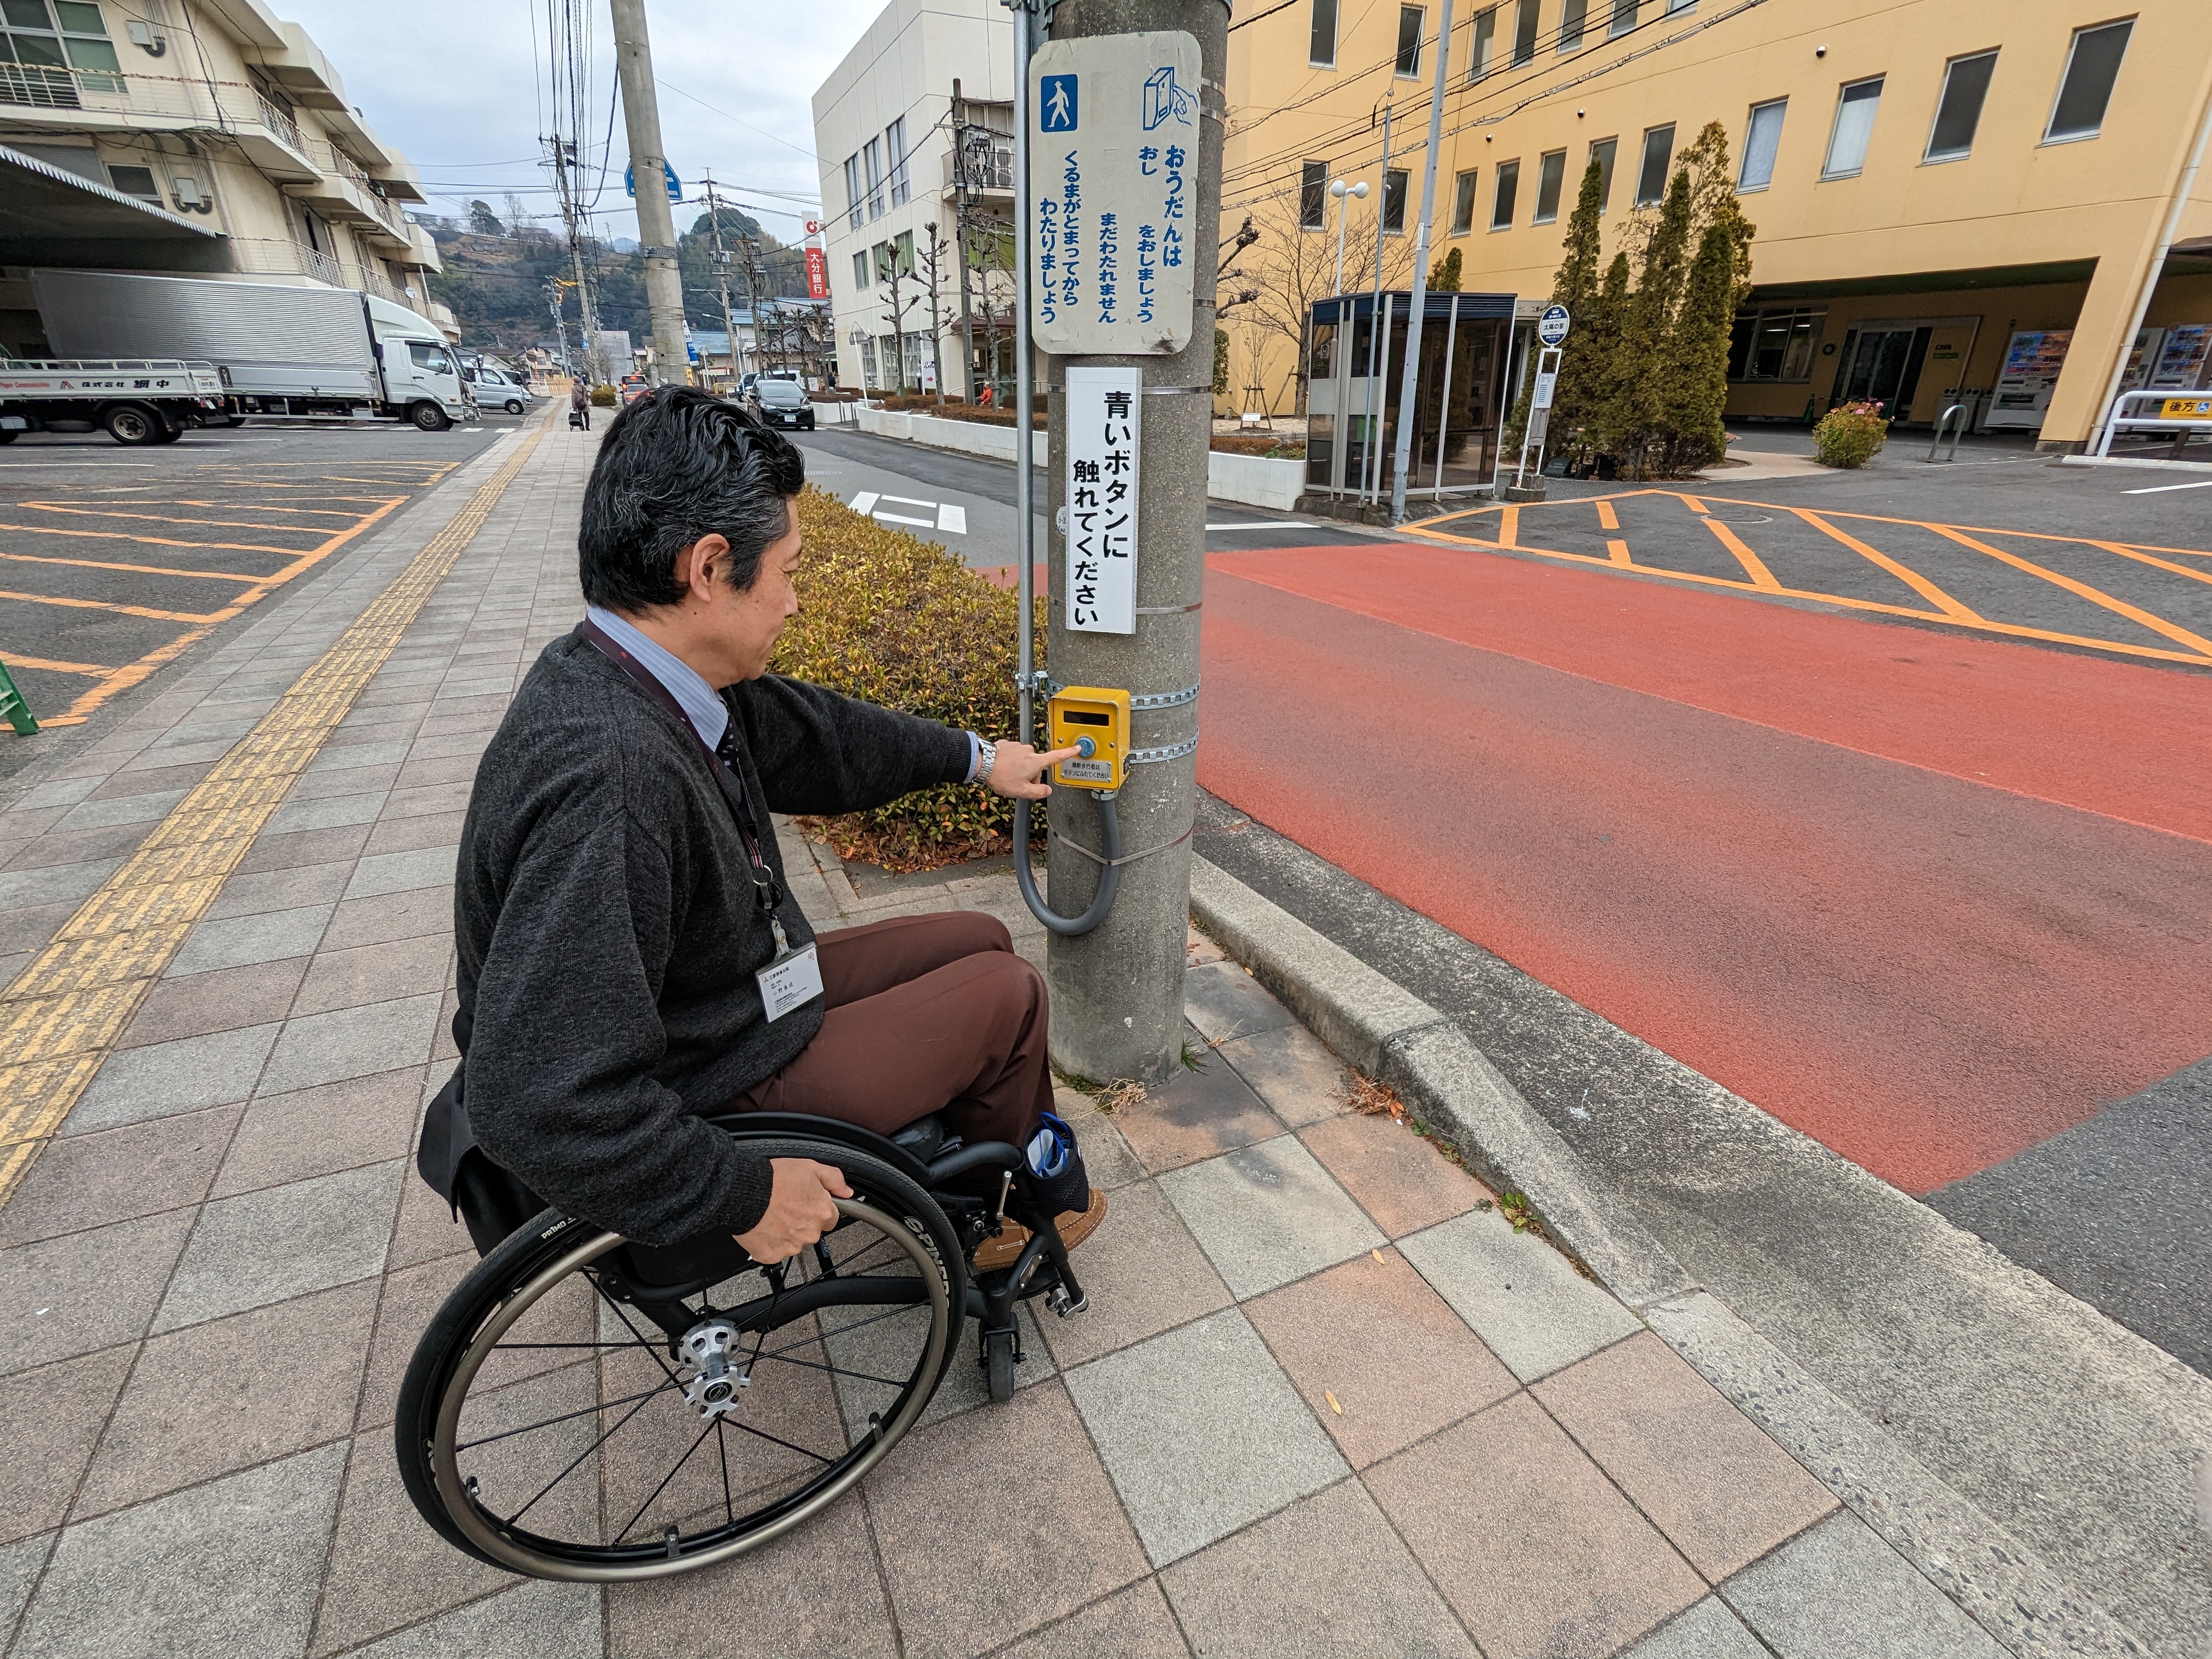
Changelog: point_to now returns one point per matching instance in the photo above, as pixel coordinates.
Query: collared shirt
(702, 704)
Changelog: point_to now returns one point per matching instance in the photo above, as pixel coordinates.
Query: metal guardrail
(2184, 412)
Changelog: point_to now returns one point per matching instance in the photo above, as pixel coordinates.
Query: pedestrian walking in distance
(580, 404)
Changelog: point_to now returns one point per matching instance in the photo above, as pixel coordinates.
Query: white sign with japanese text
(1104, 407)
(1114, 145)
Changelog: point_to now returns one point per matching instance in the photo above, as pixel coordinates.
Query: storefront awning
(49, 216)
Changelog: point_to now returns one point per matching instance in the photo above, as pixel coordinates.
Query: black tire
(999, 1365)
(461, 1484)
(170, 435)
(7, 435)
(428, 417)
(515, 406)
(233, 420)
(133, 424)
(807, 425)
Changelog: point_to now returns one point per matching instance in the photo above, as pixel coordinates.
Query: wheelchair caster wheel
(999, 1359)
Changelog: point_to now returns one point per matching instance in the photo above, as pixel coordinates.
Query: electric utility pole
(1401, 453)
(656, 225)
(722, 274)
(1117, 990)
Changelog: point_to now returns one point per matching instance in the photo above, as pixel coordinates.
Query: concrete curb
(1395, 1037)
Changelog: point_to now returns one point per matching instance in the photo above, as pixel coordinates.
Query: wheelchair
(586, 1408)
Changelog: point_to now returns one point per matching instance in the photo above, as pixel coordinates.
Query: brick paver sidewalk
(1325, 1399)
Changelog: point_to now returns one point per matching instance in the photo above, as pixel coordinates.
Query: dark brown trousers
(925, 1014)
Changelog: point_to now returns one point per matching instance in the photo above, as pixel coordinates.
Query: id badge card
(794, 977)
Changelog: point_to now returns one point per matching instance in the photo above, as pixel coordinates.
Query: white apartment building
(186, 136)
(885, 129)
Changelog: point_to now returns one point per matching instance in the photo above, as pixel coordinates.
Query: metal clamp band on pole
(1126, 858)
(1171, 609)
(1153, 756)
(1176, 390)
(1166, 699)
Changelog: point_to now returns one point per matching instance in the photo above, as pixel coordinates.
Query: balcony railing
(277, 256)
(224, 105)
(332, 159)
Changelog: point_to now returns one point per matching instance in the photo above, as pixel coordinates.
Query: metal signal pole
(1401, 454)
(664, 280)
(722, 274)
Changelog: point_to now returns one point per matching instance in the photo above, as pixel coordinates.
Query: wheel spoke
(840, 1330)
(666, 1479)
(565, 1417)
(722, 1446)
(580, 1457)
(779, 1441)
(836, 1370)
(497, 1348)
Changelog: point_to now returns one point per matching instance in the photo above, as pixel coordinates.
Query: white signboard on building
(1104, 407)
(1114, 228)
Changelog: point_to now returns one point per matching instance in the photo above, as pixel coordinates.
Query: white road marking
(953, 521)
(2160, 489)
(864, 502)
(901, 518)
(1263, 524)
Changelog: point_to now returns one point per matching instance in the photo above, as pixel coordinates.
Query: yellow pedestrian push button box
(1095, 721)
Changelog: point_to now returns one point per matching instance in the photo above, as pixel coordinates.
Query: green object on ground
(13, 708)
(1850, 436)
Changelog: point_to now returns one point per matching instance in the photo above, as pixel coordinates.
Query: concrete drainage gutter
(1386, 1031)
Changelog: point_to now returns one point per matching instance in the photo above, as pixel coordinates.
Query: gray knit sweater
(608, 933)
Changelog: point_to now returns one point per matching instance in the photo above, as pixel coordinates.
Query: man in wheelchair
(631, 964)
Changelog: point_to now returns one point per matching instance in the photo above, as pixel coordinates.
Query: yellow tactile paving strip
(38, 518)
(65, 1010)
(1510, 524)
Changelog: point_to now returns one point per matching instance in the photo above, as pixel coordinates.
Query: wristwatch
(986, 753)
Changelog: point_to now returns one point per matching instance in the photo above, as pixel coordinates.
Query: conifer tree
(1444, 275)
(1580, 389)
(1640, 395)
(1693, 433)
(1602, 340)
(1713, 201)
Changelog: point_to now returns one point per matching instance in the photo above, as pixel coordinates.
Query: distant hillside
(494, 277)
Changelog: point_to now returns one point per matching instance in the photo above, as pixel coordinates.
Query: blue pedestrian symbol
(1058, 100)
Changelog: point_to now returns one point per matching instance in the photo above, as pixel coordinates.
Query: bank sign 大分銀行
(1113, 208)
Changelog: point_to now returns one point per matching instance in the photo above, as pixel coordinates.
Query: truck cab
(421, 376)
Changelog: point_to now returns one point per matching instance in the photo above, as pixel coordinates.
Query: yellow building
(1972, 201)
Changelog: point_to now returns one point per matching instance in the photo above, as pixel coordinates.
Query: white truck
(136, 400)
(279, 351)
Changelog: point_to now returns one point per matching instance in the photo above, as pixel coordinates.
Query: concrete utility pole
(722, 273)
(1117, 991)
(656, 225)
(1401, 456)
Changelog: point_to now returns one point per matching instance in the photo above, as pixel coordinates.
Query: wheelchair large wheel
(584, 1409)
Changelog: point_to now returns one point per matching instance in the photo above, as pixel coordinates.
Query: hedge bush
(903, 623)
(603, 397)
(1849, 435)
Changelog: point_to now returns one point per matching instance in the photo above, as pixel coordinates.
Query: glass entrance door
(1884, 368)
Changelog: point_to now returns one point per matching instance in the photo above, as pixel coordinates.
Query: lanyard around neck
(766, 890)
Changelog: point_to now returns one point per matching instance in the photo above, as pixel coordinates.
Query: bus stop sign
(1551, 326)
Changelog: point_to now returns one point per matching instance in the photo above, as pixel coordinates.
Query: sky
(458, 86)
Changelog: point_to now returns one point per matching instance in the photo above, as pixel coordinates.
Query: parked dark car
(783, 402)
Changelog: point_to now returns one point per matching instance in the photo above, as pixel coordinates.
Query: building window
(66, 33)
(872, 163)
(134, 181)
(863, 279)
(895, 142)
(1673, 6)
(1847, 144)
(1652, 176)
(1483, 43)
(1501, 199)
(2092, 64)
(902, 250)
(1761, 139)
(868, 376)
(853, 196)
(884, 258)
(1322, 54)
(1571, 18)
(1959, 111)
(1602, 151)
(1409, 42)
(1312, 196)
(1394, 202)
(1775, 345)
(1624, 18)
(1551, 174)
(1462, 219)
(1524, 33)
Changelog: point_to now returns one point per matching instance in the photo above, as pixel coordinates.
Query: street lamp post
(1340, 189)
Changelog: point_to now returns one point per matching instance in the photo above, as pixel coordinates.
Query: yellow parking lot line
(2173, 631)
(1912, 579)
(140, 569)
(58, 667)
(1754, 567)
(148, 541)
(65, 1010)
(110, 605)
